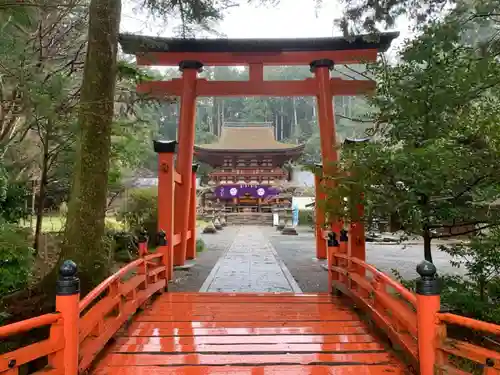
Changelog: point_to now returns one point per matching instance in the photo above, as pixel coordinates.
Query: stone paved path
(251, 264)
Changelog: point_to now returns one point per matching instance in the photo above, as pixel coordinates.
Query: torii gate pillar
(324, 99)
(186, 128)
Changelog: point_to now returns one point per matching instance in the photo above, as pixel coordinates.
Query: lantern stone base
(290, 231)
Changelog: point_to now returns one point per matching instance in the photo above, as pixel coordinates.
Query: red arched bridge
(130, 324)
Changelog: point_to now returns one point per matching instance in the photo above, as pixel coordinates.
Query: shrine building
(248, 163)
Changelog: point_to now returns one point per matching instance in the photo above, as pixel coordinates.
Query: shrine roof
(249, 138)
(134, 44)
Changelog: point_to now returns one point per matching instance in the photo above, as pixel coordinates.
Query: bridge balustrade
(413, 322)
(80, 329)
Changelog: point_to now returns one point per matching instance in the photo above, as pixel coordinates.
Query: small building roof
(252, 138)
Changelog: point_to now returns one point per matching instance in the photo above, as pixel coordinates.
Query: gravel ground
(298, 253)
(192, 279)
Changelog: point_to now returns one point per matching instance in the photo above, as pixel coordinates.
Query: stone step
(250, 219)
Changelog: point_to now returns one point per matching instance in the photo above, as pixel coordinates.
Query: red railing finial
(67, 303)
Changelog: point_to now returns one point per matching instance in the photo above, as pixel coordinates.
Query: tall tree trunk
(215, 115)
(211, 117)
(426, 234)
(295, 130)
(282, 125)
(276, 123)
(41, 192)
(223, 117)
(83, 240)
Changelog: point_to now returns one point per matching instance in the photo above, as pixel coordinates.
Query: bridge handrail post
(67, 304)
(143, 243)
(333, 248)
(428, 290)
(344, 250)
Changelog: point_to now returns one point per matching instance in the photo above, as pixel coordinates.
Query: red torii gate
(192, 54)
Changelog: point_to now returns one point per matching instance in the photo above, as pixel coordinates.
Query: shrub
(113, 224)
(16, 258)
(123, 243)
(306, 217)
(140, 211)
(200, 245)
(12, 203)
(478, 294)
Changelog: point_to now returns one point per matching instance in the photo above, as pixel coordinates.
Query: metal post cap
(343, 236)
(143, 235)
(68, 269)
(426, 269)
(68, 284)
(162, 238)
(428, 284)
(191, 64)
(322, 63)
(164, 147)
(332, 240)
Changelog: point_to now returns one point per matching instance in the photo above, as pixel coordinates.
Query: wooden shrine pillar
(186, 131)
(324, 98)
(321, 246)
(166, 172)
(191, 245)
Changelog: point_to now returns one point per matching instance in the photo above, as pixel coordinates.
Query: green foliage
(4, 181)
(12, 199)
(371, 15)
(482, 264)
(462, 296)
(129, 72)
(140, 210)
(200, 245)
(433, 162)
(306, 217)
(477, 295)
(123, 244)
(16, 258)
(312, 149)
(13, 207)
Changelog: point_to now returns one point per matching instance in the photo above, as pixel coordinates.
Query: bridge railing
(82, 328)
(450, 351)
(391, 306)
(52, 347)
(412, 322)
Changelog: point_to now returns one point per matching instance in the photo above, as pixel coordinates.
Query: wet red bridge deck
(213, 333)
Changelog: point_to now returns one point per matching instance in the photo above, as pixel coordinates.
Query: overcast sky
(287, 20)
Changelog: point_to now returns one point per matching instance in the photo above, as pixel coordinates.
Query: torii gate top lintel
(226, 52)
(321, 54)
